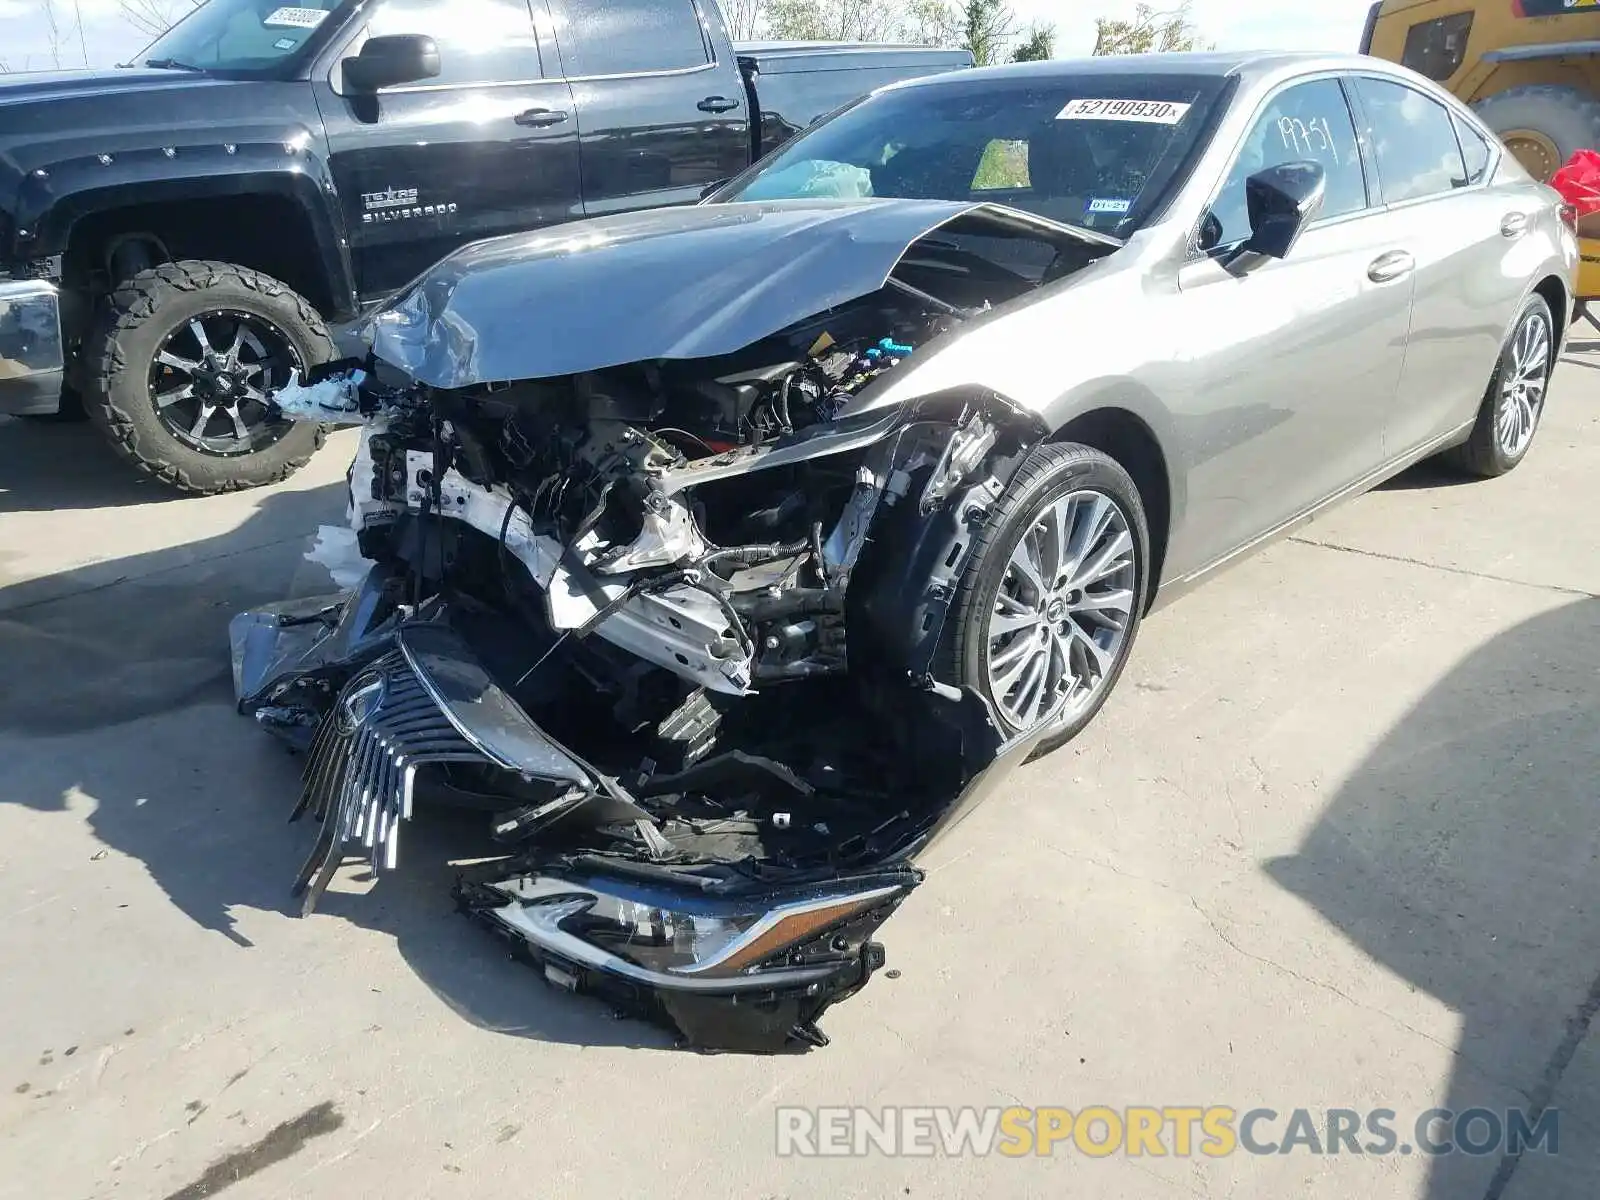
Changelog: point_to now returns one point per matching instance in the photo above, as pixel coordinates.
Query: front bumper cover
(404, 701)
(32, 360)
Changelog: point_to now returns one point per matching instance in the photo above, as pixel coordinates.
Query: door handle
(1386, 268)
(541, 118)
(1514, 225)
(717, 104)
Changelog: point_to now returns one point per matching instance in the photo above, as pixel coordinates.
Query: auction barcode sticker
(295, 18)
(1148, 112)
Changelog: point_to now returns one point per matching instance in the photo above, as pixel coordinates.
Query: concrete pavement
(1333, 845)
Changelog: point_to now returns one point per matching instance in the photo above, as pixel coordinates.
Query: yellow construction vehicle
(1531, 69)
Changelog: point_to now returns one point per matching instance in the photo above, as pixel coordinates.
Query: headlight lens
(677, 934)
(657, 938)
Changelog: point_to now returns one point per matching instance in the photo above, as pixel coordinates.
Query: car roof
(1248, 64)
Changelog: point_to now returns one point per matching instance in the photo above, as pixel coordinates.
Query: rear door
(1464, 239)
(1289, 365)
(660, 102)
(489, 147)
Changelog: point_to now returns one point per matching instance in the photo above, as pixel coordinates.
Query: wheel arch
(1554, 290)
(268, 232)
(1127, 438)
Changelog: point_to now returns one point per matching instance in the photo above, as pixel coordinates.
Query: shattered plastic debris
(331, 402)
(337, 548)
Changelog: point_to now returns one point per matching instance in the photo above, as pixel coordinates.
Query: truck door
(660, 102)
(488, 147)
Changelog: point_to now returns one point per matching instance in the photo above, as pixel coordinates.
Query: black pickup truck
(177, 236)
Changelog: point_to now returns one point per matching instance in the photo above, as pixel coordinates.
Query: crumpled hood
(691, 282)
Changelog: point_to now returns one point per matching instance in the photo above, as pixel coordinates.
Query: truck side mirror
(1282, 201)
(391, 60)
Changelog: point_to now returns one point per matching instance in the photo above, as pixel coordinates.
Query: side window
(480, 41)
(626, 37)
(1003, 167)
(1475, 150)
(1414, 138)
(1307, 122)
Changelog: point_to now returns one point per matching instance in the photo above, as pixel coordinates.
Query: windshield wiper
(171, 64)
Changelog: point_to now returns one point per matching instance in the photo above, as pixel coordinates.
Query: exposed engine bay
(672, 624)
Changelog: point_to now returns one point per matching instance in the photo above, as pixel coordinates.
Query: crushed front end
(671, 625)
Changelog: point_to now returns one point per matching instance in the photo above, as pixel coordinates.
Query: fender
(54, 197)
(1136, 399)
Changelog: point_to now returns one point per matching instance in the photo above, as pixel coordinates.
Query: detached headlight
(677, 938)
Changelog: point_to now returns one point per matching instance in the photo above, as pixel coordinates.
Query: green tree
(1038, 44)
(987, 26)
(1148, 31)
(836, 20)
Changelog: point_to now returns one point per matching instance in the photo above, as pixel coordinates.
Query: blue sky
(1232, 24)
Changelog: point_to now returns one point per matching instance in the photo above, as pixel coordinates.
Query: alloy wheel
(211, 377)
(1063, 612)
(1522, 388)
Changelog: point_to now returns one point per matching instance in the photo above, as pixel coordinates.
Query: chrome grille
(361, 769)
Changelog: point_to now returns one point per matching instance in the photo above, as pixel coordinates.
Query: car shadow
(47, 466)
(117, 710)
(1462, 856)
(1425, 476)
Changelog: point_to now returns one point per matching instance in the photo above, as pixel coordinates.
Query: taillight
(1569, 216)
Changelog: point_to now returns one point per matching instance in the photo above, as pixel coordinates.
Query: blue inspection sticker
(1104, 204)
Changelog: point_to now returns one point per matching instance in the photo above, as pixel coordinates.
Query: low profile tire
(1048, 607)
(1515, 400)
(1543, 125)
(179, 368)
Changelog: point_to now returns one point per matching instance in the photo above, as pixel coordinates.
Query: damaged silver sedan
(725, 556)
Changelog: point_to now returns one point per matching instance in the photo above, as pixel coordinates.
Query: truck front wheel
(1542, 125)
(181, 363)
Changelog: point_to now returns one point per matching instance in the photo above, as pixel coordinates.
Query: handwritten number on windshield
(1308, 137)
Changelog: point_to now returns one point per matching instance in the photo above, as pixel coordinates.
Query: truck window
(628, 37)
(1437, 48)
(1307, 121)
(1414, 138)
(480, 41)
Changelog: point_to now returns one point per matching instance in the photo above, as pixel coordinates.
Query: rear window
(1100, 152)
(628, 37)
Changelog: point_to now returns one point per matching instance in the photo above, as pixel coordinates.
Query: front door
(661, 112)
(1294, 409)
(488, 147)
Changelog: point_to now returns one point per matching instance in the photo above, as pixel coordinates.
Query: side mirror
(390, 61)
(1282, 201)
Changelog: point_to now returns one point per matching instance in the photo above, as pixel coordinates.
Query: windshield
(247, 36)
(1098, 151)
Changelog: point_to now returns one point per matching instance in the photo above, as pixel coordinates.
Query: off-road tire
(1570, 118)
(143, 310)
(1051, 472)
(1482, 455)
